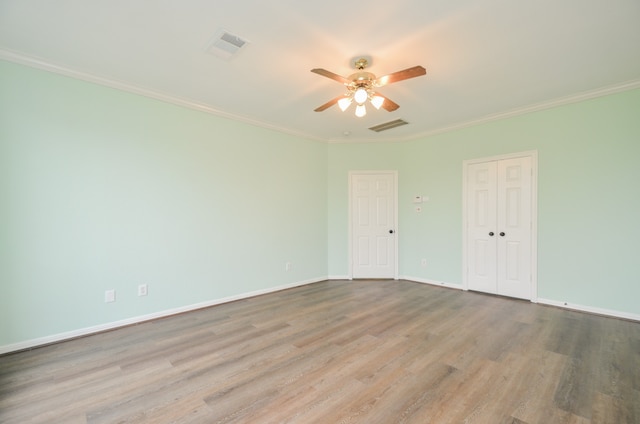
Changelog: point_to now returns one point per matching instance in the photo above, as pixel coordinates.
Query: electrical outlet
(109, 296)
(423, 262)
(142, 290)
(287, 266)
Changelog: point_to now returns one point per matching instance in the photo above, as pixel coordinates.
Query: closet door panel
(514, 227)
(499, 228)
(481, 231)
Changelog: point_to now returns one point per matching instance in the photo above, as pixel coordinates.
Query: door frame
(395, 217)
(533, 154)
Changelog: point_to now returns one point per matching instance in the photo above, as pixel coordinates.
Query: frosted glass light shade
(360, 96)
(344, 103)
(377, 101)
(361, 111)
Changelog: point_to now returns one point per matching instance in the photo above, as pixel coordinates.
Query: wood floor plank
(339, 351)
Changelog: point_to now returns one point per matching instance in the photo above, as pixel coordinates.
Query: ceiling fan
(360, 87)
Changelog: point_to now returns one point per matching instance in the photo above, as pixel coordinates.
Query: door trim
(395, 217)
(533, 154)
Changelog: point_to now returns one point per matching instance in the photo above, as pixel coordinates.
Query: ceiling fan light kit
(377, 101)
(360, 87)
(344, 103)
(360, 95)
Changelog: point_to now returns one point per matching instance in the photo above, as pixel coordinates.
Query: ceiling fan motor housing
(362, 77)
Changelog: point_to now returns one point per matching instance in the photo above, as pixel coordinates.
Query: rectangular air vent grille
(389, 125)
(225, 45)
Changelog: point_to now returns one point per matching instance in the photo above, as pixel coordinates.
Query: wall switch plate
(423, 262)
(287, 266)
(142, 290)
(109, 296)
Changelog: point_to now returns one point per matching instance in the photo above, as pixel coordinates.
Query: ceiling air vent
(225, 45)
(389, 125)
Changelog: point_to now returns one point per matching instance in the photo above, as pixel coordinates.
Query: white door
(481, 214)
(373, 225)
(514, 228)
(500, 227)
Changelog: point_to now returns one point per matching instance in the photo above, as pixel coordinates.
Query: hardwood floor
(339, 352)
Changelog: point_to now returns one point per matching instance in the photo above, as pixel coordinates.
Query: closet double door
(499, 232)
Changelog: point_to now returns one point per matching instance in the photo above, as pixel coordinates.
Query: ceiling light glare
(344, 103)
(361, 111)
(360, 96)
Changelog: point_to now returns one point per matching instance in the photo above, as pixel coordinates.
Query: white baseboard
(590, 309)
(432, 282)
(559, 304)
(339, 277)
(29, 344)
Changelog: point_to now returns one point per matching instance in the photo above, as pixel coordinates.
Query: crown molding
(550, 104)
(42, 64)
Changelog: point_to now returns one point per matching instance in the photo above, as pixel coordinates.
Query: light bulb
(360, 96)
(344, 103)
(361, 111)
(377, 101)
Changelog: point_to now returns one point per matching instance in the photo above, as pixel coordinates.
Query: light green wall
(102, 189)
(588, 188)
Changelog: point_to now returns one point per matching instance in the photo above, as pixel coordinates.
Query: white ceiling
(484, 58)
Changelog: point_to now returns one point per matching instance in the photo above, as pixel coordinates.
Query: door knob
(390, 231)
(491, 233)
(502, 234)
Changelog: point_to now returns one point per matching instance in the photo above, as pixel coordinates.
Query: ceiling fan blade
(388, 105)
(416, 71)
(331, 75)
(328, 104)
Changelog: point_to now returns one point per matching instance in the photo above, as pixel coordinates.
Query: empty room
(332, 212)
